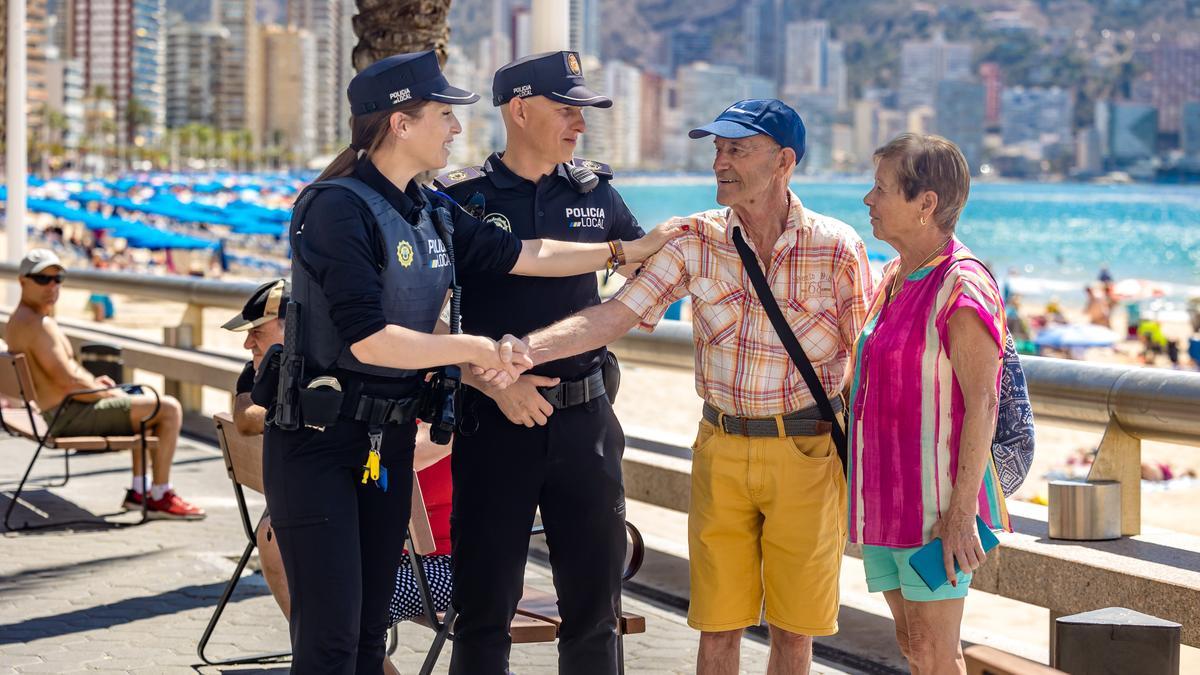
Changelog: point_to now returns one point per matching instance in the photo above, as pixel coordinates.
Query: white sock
(140, 483)
(157, 491)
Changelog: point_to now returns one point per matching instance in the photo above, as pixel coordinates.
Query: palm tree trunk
(386, 27)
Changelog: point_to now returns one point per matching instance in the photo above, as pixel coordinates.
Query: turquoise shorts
(888, 569)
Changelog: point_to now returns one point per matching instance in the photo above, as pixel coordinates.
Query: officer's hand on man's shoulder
(637, 251)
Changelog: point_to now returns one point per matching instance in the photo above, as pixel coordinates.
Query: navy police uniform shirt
(346, 250)
(494, 303)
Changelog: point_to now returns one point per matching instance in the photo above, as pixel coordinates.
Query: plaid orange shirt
(819, 275)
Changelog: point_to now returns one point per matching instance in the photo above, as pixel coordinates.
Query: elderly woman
(924, 393)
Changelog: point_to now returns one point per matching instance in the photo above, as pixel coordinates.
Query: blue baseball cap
(556, 75)
(393, 80)
(758, 116)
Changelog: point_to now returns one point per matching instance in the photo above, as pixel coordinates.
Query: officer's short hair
(929, 162)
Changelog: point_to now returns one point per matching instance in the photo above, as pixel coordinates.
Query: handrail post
(1120, 459)
(188, 334)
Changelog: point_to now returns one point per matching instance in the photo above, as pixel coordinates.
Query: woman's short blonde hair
(927, 162)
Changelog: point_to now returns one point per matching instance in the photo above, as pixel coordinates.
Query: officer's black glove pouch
(266, 379)
(321, 402)
(611, 370)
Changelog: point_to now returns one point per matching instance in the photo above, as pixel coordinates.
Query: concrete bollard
(1116, 640)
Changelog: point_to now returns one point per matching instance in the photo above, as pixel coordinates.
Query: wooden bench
(16, 384)
(537, 617)
(984, 660)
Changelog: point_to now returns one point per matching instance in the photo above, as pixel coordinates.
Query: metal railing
(1129, 404)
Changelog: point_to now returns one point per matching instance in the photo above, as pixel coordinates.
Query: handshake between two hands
(505, 362)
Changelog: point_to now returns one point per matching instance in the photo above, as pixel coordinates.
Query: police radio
(441, 391)
(291, 372)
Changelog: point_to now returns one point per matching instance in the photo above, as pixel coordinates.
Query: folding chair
(243, 463)
(16, 382)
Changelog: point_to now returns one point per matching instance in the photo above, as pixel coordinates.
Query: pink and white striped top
(907, 413)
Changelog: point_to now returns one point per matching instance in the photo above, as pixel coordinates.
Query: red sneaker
(172, 507)
(133, 500)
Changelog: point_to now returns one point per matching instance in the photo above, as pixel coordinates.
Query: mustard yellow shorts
(767, 521)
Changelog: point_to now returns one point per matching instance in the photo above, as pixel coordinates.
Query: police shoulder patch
(458, 177)
(599, 168)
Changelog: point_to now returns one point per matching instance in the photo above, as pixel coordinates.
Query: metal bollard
(99, 359)
(1085, 510)
(1116, 640)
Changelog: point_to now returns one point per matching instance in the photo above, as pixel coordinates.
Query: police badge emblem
(573, 64)
(499, 220)
(456, 175)
(590, 165)
(404, 253)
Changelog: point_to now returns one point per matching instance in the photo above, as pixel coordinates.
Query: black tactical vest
(416, 275)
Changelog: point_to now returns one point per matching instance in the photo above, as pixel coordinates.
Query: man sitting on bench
(262, 320)
(32, 331)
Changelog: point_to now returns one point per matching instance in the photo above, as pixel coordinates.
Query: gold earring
(922, 220)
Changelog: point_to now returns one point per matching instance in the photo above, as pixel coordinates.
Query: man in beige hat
(32, 331)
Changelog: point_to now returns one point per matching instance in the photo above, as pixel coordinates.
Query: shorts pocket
(703, 435)
(815, 450)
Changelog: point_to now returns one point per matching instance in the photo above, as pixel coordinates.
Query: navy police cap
(556, 75)
(758, 116)
(396, 79)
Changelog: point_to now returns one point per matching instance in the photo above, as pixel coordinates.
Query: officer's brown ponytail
(367, 133)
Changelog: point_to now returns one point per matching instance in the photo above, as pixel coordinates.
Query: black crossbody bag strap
(791, 344)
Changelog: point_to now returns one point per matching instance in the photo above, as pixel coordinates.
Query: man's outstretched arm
(590, 329)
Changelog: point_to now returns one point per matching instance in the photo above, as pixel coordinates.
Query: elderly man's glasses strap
(47, 279)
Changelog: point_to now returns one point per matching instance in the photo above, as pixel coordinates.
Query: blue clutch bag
(927, 562)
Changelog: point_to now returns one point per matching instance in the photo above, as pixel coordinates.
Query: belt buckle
(553, 395)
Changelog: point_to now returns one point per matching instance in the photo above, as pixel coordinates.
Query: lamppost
(17, 167)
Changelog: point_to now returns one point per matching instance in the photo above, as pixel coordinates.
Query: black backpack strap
(792, 345)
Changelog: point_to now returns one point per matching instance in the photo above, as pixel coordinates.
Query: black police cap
(556, 75)
(396, 79)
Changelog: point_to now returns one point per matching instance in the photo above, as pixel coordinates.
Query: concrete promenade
(137, 599)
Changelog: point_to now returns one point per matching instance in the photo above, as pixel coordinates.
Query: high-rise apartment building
(194, 56)
(290, 95)
(120, 45)
(239, 84)
(926, 63)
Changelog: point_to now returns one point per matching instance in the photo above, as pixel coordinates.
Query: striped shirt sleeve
(971, 287)
(661, 281)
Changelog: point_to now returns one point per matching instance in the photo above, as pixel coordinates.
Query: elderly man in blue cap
(767, 519)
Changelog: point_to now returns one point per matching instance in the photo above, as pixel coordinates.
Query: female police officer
(374, 256)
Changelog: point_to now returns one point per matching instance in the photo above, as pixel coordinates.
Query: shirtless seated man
(32, 331)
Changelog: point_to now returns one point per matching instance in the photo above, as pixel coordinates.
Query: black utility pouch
(321, 402)
(266, 379)
(611, 370)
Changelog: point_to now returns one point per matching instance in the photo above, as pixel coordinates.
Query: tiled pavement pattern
(137, 599)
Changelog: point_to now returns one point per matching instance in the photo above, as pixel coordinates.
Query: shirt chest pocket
(717, 308)
(813, 320)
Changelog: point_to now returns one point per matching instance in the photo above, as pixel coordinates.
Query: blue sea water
(1059, 234)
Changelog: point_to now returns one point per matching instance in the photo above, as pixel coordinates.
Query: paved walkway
(138, 599)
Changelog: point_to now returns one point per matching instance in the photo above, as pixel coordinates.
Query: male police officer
(550, 439)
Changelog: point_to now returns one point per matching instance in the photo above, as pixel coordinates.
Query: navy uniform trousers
(340, 541)
(502, 473)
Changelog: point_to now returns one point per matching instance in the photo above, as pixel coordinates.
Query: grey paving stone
(137, 599)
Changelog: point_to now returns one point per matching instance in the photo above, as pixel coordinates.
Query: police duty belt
(578, 392)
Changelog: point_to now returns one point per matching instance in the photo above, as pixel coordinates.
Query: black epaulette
(599, 168)
(458, 177)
